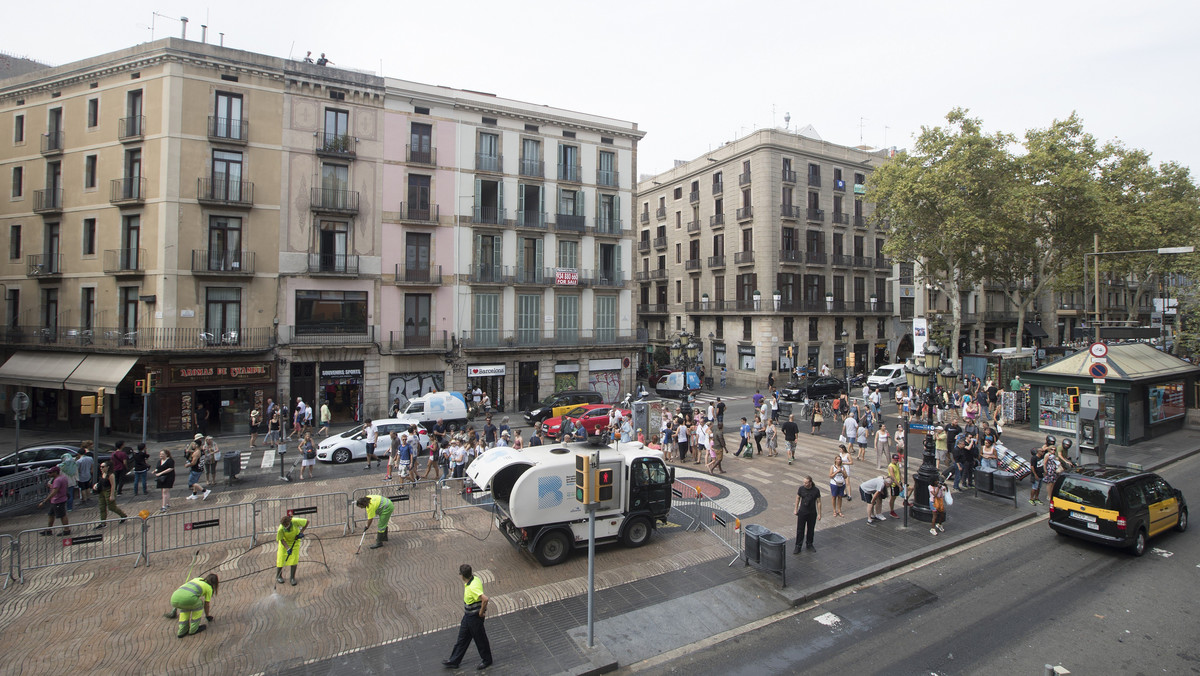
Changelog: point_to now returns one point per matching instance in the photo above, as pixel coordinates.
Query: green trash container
(751, 547)
(1004, 483)
(772, 551)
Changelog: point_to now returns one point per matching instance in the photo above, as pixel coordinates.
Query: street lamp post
(922, 378)
(683, 354)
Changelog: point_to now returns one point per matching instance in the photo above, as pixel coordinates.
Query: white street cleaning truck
(535, 501)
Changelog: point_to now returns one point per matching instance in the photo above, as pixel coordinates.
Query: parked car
(43, 456)
(592, 416)
(821, 387)
(887, 377)
(352, 444)
(561, 400)
(1115, 506)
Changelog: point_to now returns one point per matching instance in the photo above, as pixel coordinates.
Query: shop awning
(39, 369)
(99, 370)
(1035, 331)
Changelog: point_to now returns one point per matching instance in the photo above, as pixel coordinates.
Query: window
(787, 200)
(788, 240)
(746, 330)
(860, 179)
(568, 163)
(720, 332)
(858, 208)
(18, 181)
(568, 253)
(131, 242)
(746, 198)
(337, 123)
(837, 176)
(718, 245)
(839, 291)
(859, 331)
(529, 318)
(814, 174)
(93, 113)
(608, 263)
(489, 152)
(418, 206)
(747, 240)
(814, 288)
(224, 243)
(222, 315)
(678, 220)
(88, 246)
(227, 121)
(859, 246)
(18, 129)
(416, 256)
(421, 143)
(719, 290)
(860, 289)
(678, 252)
(906, 273)
(838, 244)
(333, 245)
(320, 312)
(789, 329)
(567, 323)
(906, 308)
(417, 319)
(880, 327)
(718, 206)
(678, 291)
(226, 176)
(50, 310)
(606, 172)
(609, 219)
(570, 209)
(606, 319)
(13, 308)
(814, 241)
(531, 158)
(14, 242)
(718, 183)
(679, 193)
(133, 104)
(529, 260)
(52, 247)
(87, 307)
(746, 284)
(128, 308)
(89, 171)
(487, 318)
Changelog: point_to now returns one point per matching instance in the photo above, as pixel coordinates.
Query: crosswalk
(707, 396)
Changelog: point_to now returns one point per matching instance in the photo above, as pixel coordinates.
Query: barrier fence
(700, 511)
(6, 558)
(35, 549)
(327, 510)
(22, 489)
(459, 494)
(205, 526)
(407, 498)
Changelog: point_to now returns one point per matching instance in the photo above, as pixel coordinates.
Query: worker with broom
(193, 601)
(377, 504)
(288, 535)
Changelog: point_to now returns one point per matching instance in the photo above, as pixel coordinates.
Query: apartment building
(507, 247)
(763, 250)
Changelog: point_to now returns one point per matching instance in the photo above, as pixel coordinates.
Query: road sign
(1098, 350)
(921, 427)
(1098, 370)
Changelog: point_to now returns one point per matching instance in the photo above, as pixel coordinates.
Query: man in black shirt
(808, 513)
(489, 433)
(790, 430)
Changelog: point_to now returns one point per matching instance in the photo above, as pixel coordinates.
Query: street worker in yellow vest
(288, 535)
(377, 504)
(193, 601)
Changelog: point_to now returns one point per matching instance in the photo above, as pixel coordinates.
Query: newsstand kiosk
(1093, 437)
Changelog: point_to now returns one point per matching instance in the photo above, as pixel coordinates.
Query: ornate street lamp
(922, 380)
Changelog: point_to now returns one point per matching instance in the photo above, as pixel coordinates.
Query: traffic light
(604, 484)
(87, 405)
(139, 387)
(151, 382)
(583, 478)
(1073, 395)
(99, 401)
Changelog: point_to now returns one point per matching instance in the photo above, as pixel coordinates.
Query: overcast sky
(694, 75)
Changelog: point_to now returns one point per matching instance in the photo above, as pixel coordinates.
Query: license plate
(1094, 526)
(1083, 517)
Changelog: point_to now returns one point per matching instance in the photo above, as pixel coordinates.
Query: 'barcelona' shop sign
(222, 373)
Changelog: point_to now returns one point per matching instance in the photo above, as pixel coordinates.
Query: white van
(887, 377)
(426, 409)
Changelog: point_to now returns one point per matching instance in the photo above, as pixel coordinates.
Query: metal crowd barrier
(458, 495)
(6, 558)
(207, 525)
(84, 543)
(326, 510)
(407, 499)
(20, 490)
(702, 511)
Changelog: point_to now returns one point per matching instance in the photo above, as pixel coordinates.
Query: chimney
(222, 39)
(183, 20)
(204, 33)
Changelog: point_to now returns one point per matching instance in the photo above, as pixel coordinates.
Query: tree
(939, 202)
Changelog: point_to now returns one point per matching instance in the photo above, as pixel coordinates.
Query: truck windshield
(414, 407)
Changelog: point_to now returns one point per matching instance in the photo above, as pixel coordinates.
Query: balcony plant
(829, 301)
(776, 296)
(704, 300)
(757, 299)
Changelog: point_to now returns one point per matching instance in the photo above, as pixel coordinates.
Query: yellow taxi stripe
(1099, 513)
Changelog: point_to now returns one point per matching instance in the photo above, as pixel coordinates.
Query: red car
(593, 416)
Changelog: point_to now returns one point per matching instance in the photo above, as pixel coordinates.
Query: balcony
(532, 168)
(118, 262)
(745, 213)
(814, 180)
(815, 257)
(413, 338)
(743, 258)
(323, 334)
(860, 222)
(572, 173)
(218, 262)
(47, 201)
(816, 215)
(863, 262)
(841, 218)
(789, 176)
(652, 308)
(336, 145)
(420, 155)
(490, 274)
(488, 216)
(330, 200)
(419, 213)
(131, 129)
(141, 340)
(716, 221)
(842, 260)
(489, 163)
(606, 178)
(219, 191)
(644, 217)
(531, 219)
(883, 264)
(228, 130)
(790, 256)
(608, 225)
(693, 227)
(429, 275)
(716, 262)
(522, 339)
(52, 143)
(660, 242)
(1003, 315)
(692, 264)
(644, 246)
(744, 178)
(332, 264)
(790, 211)
(533, 276)
(693, 197)
(839, 185)
(128, 191)
(661, 213)
(648, 275)
(604, 278)
(570, 222)
(44, 265)
(718, 187)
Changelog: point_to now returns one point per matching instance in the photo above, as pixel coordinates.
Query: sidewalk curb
(600, 661)
(798, 596)
(1171, 460)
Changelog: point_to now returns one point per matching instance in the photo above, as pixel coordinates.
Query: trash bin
(785, 409)
(1004, 483)
(983, 478)
(754, 533)
(772, 548)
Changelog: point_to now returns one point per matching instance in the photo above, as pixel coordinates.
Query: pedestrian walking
(717, 452)
(744, 441)
(196, 470)
(847, 461)
(808, 513)
(941, 448)
(59, 488)
(883, 442)
(85, 466)
(287, 536)
(817, 419)
(434, 455)
(326, 418)
(772, 439)
(1036, 476)
(837, 485)
(719, 410)
(475, 605)
(701, 443)
(372, 440)
(760, 432)
(790, 431)
(120, 464)
(106, 491)
(940, 498)
(860, 438)
(255, 422)
(164, 477)
(141, 467)
(193, 600)
(211, 454)
(897, 477)
(70, 469)
(273, 435)
(308, 455)
(681, 440)
(377, 505)
(873, 491)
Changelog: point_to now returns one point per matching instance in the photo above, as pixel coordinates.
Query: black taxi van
(1115, 506)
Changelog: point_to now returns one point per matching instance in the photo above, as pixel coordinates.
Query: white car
(352, 444)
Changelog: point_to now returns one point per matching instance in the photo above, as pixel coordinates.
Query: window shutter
(500, 201)
(617, 213)
(478, 192)
(579, 203)
(497, 250)
(520, 199)
(539, 255)
(617, 266)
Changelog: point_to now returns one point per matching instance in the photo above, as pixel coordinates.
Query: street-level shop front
(209, 398)
(489, 379)
(1146, 394)
(56, 381)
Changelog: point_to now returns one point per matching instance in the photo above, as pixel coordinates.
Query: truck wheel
(553, 549)
(637, 532)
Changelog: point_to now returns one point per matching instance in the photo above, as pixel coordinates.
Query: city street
(1012, 604)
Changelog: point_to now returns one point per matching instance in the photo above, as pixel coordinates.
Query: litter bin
(785, 409)
(983, 478)
(754, 533)
(772, 547)
(1004, 483)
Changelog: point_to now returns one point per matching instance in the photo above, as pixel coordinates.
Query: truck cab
(534, 494)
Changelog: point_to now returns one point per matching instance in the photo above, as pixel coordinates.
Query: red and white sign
(566, 277)
(1098, 350)
(481, 371)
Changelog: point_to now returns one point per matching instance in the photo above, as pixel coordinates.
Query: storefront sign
(566, 276)
(210, 373)
(351, 369)
(604, 364)
(482, 371)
